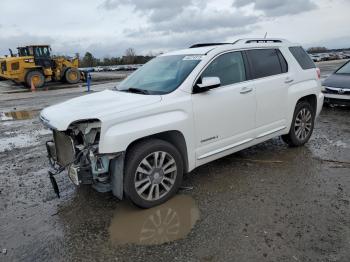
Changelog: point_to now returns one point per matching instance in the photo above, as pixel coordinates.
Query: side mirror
(206, 84)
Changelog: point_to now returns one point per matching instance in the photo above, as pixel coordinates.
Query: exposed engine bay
(76, 150)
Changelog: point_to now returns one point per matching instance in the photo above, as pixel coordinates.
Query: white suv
(181, 110)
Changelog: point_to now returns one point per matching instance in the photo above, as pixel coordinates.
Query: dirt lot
(266, 203)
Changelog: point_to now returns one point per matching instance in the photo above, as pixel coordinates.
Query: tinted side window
(302, 57)
(284, 64)
(264, 62)
(228, 67)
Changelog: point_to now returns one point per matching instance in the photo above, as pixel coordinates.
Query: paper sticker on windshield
(193, 57)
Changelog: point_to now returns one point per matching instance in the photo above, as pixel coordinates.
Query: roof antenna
(265, 35)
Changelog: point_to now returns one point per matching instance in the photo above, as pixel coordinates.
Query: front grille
(3, 66)
(65, 151)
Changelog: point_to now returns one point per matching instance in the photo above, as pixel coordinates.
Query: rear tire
(72, 76)
(153, 173)
(35, 76)
(302, 125)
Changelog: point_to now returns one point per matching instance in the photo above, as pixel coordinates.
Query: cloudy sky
(108, 27)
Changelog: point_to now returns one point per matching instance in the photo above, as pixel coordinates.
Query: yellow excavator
(34, 65)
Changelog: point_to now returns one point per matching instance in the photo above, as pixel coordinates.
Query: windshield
(161, 75)
(345, 69)
(41, 51)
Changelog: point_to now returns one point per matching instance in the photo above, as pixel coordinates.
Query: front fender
(118, 137)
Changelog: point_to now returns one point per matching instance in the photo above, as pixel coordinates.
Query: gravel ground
(266, 203)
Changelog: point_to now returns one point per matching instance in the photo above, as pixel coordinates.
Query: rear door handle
(289, 80)
(246, 90)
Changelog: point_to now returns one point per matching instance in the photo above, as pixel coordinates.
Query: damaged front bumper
(84, 165)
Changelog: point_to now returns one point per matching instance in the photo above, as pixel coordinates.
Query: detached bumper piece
(54, 184)
(61, 154)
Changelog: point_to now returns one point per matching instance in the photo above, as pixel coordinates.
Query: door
(224, 117)
(268, 72)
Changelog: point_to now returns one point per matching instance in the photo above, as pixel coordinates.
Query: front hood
(338, 81)
(93, 106)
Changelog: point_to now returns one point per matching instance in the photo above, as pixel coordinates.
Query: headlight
(73, 174)
(323, 88)
(29, 60)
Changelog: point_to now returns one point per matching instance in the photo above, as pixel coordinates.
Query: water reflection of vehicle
(165, 223)
(18, 115)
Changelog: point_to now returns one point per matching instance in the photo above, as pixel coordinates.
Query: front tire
(72, 76)
(153, 173)
(302, 125)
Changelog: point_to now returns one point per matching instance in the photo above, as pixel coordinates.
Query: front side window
(345, 69)
(161, 75)
(266, 62)
(228, 67)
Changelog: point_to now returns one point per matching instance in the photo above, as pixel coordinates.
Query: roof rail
(207, 44)
(260, 40)
(263, 41)
(244, 41)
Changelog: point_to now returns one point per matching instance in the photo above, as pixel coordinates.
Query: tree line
(130, 57)
(322, 49)
(317, 49)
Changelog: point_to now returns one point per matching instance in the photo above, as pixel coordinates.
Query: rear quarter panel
(305, 83)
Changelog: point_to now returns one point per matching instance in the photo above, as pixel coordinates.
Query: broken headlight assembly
(76, 150)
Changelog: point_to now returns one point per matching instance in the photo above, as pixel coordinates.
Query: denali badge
(208, 139)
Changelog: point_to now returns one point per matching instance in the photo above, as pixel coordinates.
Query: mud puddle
(18, 115)
(168, 222)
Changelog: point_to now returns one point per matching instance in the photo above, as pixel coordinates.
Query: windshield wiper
(136, 91)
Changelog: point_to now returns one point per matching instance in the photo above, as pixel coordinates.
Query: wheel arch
(291, 138)
(308, 97)
(311, 99)
(174, 137)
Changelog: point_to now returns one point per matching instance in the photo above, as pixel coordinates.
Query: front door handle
(246, 90)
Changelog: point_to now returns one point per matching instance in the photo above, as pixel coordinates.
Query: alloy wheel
(303, 124)
(155, 176)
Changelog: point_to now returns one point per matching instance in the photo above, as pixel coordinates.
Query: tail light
(318, 73)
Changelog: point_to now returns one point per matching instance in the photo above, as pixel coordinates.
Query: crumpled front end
(77, 151)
